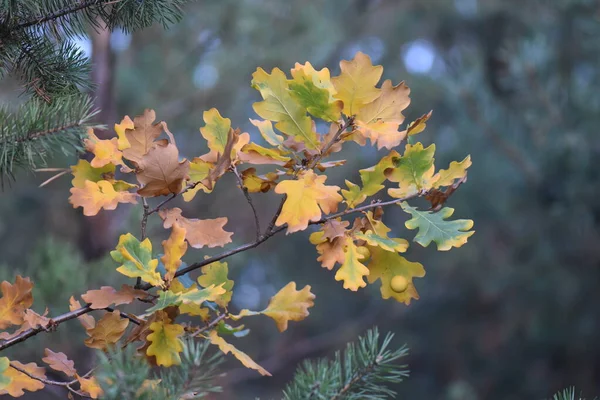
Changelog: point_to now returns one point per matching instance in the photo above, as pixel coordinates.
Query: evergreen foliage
(363, 371)
(35, 48)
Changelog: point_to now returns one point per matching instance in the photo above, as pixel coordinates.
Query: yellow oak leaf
(136, 259)
(456, 170)
(305, 199)
(86, 320)
(258, 183)
(90, 386)
(352, 271)
(175, 247)
(386, 265)
(83, 171)
(161, 172)
(16, 298)
(107, 296)
(165, 343)
(142, 137)
(279, 106)
(108, 330)
(216, 274)
(105, 151)
(120, 129)
(266, 130)
(289, 304)
(216, 130)
(59, 362)
(413, 171)
(198, 233)
(21, 382)
(254, 154)
(95, 196)
(240, 355)
(356, 84)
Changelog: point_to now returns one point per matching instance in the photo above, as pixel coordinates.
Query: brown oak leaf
(199, 232)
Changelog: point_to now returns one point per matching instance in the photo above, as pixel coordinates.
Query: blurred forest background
(516, 84)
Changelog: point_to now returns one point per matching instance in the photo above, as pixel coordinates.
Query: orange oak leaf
(335, 228)
(21, 382)
(107, 331)
(175, 247)
(97, 195)
(107, 296)
(86, 320)
(161, 172)
(305, 199)
(105, 151)
(198, 232)
(16, 298)
(142, 137)
(59, 362)
(34, 319)
(90, 386)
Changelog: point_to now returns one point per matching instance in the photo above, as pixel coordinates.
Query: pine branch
(362, 372)
(29, 134)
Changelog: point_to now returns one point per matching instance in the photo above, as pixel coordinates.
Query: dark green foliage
(363, 371)
(122, 374)
(35, 48)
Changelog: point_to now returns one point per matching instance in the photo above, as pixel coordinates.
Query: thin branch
(212, 324)
(45, 381)
(162, 203)
(271, 226)
(144, 223)
(244, 189)
(358, 377)
(132, 318)
(274, 231)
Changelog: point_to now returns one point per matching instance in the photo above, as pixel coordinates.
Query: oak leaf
(216, 130)
(34, 319)
(108, 330)
(289, 304)
(372, 180)
(314, 91)
(16, 298)
(456, 170)
(335, 228)
(107, 296)
(254, 154)
(21, 382)
(175, 247)
(198, 233)
(198, 173)
(120, 129)
(215, 274)
(352, 271)
(86, 320)
(105, 151)
(433, 227)
(258, 183)
(306, 196)
(279, 106)
(97, 195)
(386, 265)
(160, 171)
(168, 298)
(330, 251)
(356, 84)
(240, 355)
(413, 171)
(418, 125)
(142, 137)
(90, 386)
(83, 171)
(266, 130)
(136, 259)
(165, 343)
(59, 362)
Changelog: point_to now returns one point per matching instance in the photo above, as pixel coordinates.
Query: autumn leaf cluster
(305, 118)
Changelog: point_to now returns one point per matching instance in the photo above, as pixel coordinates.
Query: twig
(133, 319)
(174, 195)
(212, 323)
(271, 226)
(66, 385)
(248, 198)
(61, 13)
(144, 223)
(360, 375)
